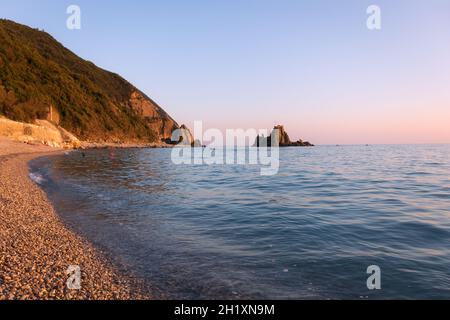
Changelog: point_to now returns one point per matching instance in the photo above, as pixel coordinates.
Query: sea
(335, 222)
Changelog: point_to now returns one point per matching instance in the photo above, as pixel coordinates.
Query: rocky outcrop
(41, 132)
(280, 135)
(186, 138)
(283, 139)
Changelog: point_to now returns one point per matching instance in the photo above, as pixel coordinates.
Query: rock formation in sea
(280, 135)
(185, 138)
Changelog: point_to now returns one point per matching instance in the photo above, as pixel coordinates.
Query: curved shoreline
(36, 248)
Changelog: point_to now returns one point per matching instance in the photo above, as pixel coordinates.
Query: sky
(311, 65)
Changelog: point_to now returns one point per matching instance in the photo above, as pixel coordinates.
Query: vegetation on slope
(37, 72)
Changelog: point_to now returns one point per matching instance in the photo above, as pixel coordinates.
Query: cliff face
(41, 79)
(42, 132)
(155, 117)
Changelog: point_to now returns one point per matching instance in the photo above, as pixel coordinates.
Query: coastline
(126, 145)
(36, 248)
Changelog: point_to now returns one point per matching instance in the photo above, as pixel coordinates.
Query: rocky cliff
(41, 79)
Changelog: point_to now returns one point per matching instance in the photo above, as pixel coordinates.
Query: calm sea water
(309, 232)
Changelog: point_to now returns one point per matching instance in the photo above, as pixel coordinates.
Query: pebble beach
(36, 248)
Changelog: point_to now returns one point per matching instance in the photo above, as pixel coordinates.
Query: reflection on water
(226, 232)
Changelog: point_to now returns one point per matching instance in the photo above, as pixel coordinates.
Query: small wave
(37, 178)
(418, 173)
(434, 164)
(440, 195)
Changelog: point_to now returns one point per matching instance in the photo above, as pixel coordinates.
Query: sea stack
(186, 138)
(280, 135)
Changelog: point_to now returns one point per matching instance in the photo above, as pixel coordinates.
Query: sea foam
(37, 178)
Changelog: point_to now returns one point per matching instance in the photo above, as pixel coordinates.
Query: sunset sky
(310, 65)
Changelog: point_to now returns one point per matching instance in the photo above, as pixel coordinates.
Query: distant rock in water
(186, 135)
(185, 138)
(280, 135)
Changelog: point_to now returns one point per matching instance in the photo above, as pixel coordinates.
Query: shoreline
(106, 145)
(36, 248)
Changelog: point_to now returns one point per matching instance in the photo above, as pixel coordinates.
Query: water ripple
(225, 232)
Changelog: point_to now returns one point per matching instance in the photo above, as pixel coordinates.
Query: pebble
(36, 248)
